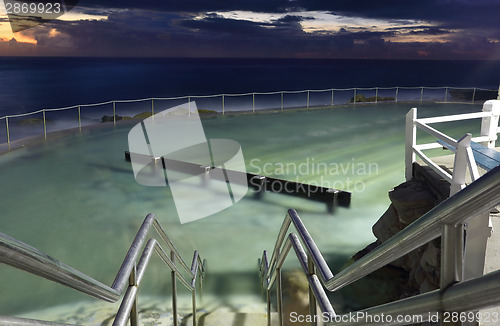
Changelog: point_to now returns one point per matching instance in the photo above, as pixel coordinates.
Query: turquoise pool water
(76, 198)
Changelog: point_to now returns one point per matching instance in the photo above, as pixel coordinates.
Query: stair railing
(20, 255)
(445, 220)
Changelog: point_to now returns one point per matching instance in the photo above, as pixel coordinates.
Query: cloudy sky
(384, 29)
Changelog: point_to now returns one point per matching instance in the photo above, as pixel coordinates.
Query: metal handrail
(477, 198)
(20, 255)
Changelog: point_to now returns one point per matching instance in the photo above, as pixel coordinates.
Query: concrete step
(230, 310)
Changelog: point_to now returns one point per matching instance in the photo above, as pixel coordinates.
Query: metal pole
(174, 291)
(268, 293)
(114, 113)
(446, 95)
(281, 101)
(152, 108)
(474, 95)
(308, 99)
(44, 125)
(498, 97)
(8, 133)
(332, 96)
(79, 119)
(397, 93)
(222, 104)
(422, 95)
(376, 94)
(279, 296)
(133, 312)
(193, 293)
(312, 299)
(253, 102)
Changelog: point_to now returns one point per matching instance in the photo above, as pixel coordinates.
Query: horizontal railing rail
(250, 101)
(445, 220)
(20, 255)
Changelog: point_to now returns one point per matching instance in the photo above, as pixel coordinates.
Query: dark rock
(108, 118)
(416, 272)
(411, 200)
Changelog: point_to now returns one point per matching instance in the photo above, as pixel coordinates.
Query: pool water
(76, 199)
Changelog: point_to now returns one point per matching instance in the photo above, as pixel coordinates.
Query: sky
(364, 29)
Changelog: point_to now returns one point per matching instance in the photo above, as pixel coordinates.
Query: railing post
(376, 94)
(7, 129)
(489, 125)
(422, 95)
(279, 292)
(133, 312)
(223, 104)
(193, 298)
(174, 291)
(308, 92)
(253, 102)
(452, 242)
(410, 142)
(397, 93)
(281, 101)
(312, 299)
(44, 125)
(446, 95)
(152, 108)
(79, 119)
(268, 298)
(114, 113)
(460, 165)
(474, 95)
(355, 93)
(332, 96)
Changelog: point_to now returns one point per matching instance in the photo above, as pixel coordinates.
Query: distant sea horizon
(33, 83)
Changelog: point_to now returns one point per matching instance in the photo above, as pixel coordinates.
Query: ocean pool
(76, 199)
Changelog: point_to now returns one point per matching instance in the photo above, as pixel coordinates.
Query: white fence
(464, 158)
(479, 228)
(18, 126)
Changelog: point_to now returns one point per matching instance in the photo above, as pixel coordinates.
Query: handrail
(475, 199)
(23, 256)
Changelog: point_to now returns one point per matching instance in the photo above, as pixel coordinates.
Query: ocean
(30, 84)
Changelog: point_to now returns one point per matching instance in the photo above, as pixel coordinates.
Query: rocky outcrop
(414, 273)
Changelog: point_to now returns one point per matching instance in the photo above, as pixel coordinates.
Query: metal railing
(42, 122)
(20, 255)
(445, 220)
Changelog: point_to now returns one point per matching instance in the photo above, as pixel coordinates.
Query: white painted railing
(464, 158)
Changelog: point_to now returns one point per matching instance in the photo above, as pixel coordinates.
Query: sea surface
(30, 84)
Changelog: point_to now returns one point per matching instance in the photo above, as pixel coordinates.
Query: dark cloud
(198, 28)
